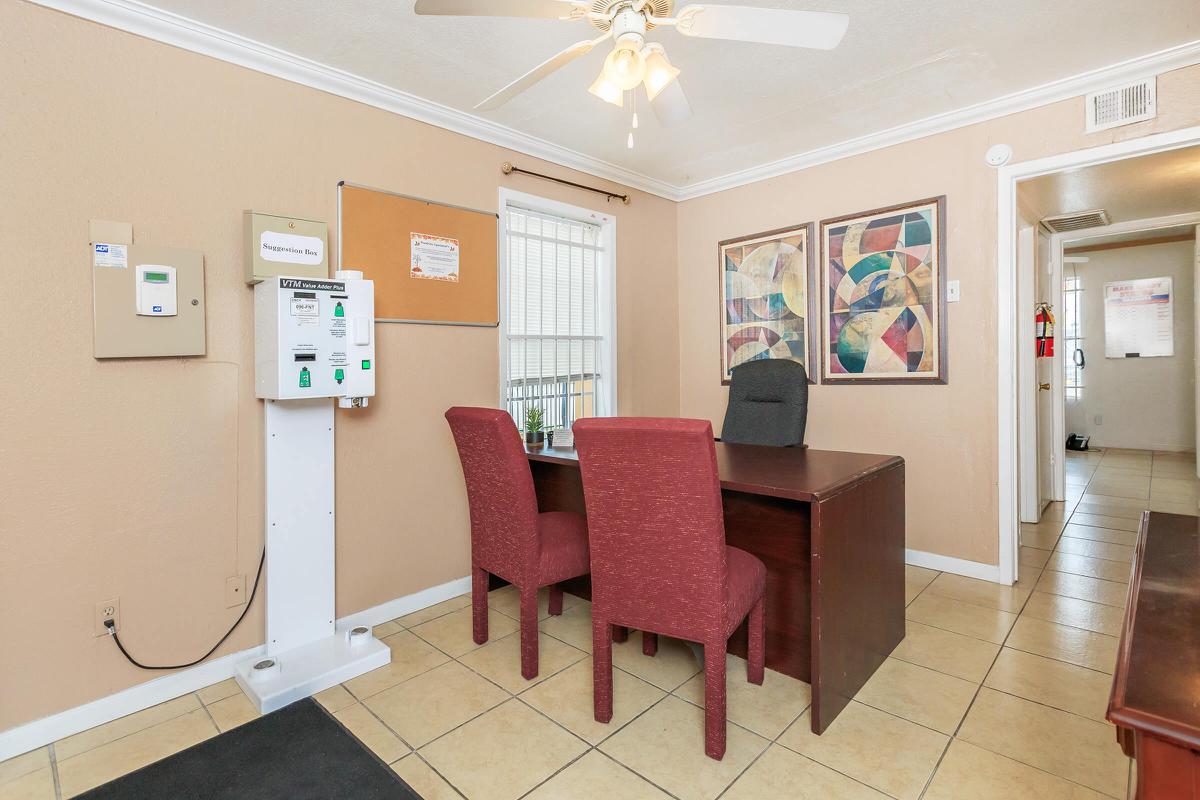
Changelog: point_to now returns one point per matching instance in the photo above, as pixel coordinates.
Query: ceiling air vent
(1121, 105)
(1077, 221)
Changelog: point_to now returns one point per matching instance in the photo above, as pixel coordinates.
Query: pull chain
(633, 123)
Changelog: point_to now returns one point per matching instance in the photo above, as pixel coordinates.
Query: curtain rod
(508, 169)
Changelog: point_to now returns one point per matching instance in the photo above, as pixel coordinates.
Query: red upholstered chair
(509, 538)
(659, 559)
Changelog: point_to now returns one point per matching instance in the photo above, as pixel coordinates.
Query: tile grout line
(979, 687)
(417, 755)
(54, 772)
(211, 718)
(414, 751)
(512, 696)
(978, 690)
(771, 743)
(131, 733)
(982, 685)
(596, 747)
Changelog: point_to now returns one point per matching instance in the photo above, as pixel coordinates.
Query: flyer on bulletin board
(434, 257)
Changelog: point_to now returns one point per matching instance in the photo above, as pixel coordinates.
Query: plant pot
(535, 438)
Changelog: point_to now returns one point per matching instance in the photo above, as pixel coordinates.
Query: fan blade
(555, 62)
(822, 30)
(544, 9)
(671, 106)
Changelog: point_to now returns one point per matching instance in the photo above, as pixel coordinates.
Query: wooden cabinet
(1155, 701)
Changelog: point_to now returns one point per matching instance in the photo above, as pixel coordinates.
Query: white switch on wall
(952, 292)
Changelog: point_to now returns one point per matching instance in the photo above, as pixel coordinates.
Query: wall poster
(1138, 319)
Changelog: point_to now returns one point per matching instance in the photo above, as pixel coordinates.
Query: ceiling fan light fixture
(625, 66)
(659, 71)
(607, 91)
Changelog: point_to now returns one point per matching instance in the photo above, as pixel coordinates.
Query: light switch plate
(953, 294)
(235, 591)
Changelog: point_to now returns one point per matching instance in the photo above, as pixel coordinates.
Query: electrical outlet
(235, 591)
(109, 609)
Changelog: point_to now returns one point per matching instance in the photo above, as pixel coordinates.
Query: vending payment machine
(314, 342)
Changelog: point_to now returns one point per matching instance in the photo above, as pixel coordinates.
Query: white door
(1047, 373)
(1030, 505)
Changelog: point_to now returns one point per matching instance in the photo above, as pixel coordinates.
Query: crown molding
(188, 34)
(162, 26)
(1183, 55)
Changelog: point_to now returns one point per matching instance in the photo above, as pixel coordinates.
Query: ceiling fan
(635, 61)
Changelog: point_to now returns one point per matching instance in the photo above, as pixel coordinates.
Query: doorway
(1031, 428)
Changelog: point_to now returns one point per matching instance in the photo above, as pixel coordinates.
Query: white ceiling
(901, 61)
(1158, 185)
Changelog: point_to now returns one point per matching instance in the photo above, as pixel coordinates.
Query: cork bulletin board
(432, 263)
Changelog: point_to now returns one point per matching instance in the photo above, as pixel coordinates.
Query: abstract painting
(767, 303)
(883, 313)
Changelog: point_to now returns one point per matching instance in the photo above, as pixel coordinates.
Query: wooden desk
(829, 526)
(1155, 701)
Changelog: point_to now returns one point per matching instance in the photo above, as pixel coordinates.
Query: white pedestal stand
(305, 653)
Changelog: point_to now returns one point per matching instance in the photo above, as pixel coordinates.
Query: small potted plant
(534, 435)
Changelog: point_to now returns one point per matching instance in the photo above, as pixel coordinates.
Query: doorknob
(1045, 387)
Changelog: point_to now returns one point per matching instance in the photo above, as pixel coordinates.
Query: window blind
(1072, 336)
(553, 339)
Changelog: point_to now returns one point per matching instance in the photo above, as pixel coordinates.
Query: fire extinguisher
(1044, 330)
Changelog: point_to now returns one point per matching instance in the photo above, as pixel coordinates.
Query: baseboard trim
(425, 598)
(958, 566)
(32, 735)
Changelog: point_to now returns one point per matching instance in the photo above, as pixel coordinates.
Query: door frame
(1007, 317)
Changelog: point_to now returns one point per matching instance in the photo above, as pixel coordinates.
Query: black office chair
(768, 404)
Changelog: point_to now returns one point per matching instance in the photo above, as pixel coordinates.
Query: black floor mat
(297, 752)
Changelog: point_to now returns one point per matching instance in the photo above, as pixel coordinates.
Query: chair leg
(649, 643)
(757, 626)
(556, 599)
(620, 634)
(714, 699)
(479, 604)
(602, 679)
(529, 632)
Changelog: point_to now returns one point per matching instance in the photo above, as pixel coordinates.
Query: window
(556, 317)
(1072, 336)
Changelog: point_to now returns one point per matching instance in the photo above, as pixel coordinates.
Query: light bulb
(607, 91)
(635, 124)
(625, 67)
(629, 141)
(659, 71)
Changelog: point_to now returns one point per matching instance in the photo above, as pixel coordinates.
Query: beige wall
(143, 478)
(945, 433)
(1144, 403)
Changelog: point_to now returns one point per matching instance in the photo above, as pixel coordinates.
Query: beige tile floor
(996, 692)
